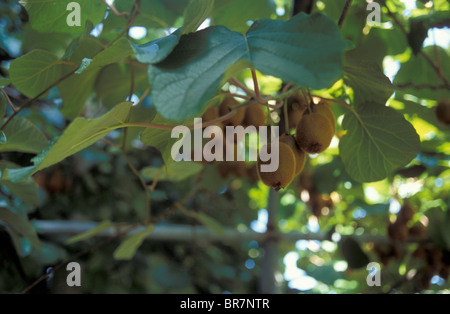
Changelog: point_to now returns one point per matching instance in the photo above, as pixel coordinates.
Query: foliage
(87, 114)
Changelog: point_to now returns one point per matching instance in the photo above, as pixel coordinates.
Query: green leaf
(175, 171)
(378, 141)
(157, 50)
(119, 50)
(192, 73)
(51, 15)
(127, 249)
(155, 13)
(3, 138)
(80, 134)
(4, 81)
(21, 225)
(368, 81)
(196, 12)
(307, 51)
(113, 83)
(27, 191)
(23, 136)
(208, 222)
(75, 91)
(161, 139)
(437, 230)
(91, 233)
(235, 14)
(37, 70)
(417, 71)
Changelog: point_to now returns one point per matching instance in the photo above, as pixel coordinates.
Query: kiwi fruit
(314, 133)
(285, 173)
(296, 108)
(442, 111)
(324, 109)
(294, 116)
(232, 168)
(254, 115)
(300, 155)
(226, 107)
(210, 114)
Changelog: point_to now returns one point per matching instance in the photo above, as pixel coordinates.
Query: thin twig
(235, 96)
(436, 53)
(191, 127)
(344, 12)
(256, 87)
(286, 117)
(8, 100)
(145, 94)
(110, 144)
(114, 10)
(29, 102)
(421, 86)
(337, 102)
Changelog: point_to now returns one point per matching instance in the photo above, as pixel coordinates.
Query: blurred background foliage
(407, 213)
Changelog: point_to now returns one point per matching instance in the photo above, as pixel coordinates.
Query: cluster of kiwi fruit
(247, 114)
(436, 259)
(313, 124)
(399, 232)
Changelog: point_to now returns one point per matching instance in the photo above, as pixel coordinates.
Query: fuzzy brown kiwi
(324, 109)
(296, 108)
(210, 114)
(285, 173)
(300, 155)
(254, 115)
(226, 107)
(442, 111)
(232, 168)
(314, 133)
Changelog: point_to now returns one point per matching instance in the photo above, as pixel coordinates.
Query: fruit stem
(256, 87)
(286, 117)
(308, 100)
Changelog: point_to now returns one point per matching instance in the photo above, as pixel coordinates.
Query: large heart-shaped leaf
(368, 81)
(378, 141)
(184, 82)
(157, 50)
(306, 50)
